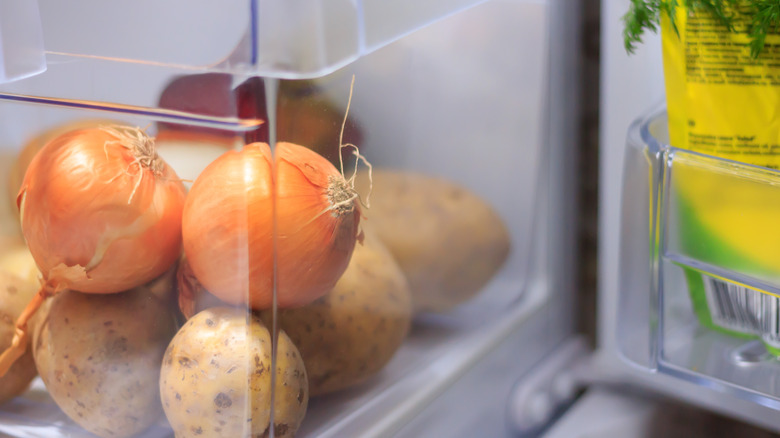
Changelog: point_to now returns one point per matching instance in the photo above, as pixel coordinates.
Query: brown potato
(17, 260)
(15, 293)
(216, 380)
(352, 332)
(9, 214)
(448, 242)
(100, 355)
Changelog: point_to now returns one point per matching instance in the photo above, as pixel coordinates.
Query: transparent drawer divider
(639, 270)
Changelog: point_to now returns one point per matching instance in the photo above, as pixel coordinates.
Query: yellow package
(723, 102)
(720, 100)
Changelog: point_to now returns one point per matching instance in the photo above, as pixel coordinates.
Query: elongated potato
(448, 242)
(99, 356)
(352, 332)
(216, 378)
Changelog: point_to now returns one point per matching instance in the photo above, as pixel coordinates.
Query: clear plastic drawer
(700, 268)
(293, 39)
(362, 301)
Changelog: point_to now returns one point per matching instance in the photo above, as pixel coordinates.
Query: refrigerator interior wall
(445, 101)
(632, 85)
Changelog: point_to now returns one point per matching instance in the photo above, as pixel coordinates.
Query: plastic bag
(725, 103)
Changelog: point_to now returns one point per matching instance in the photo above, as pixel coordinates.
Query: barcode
(742, 309)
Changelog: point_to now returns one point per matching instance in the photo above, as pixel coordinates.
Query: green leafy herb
(762, 16)
(765, 19)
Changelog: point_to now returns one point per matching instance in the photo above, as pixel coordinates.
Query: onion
(192, 296)
(36, 143)
(228, 226)
(101, 213)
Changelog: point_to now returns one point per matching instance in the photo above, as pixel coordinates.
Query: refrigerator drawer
(307, 38)
(261, 308)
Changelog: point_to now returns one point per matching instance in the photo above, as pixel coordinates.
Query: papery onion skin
(37, 142)
(319, 250)
(232, 191)
(84, 203)
(192, 297)
(228, 225)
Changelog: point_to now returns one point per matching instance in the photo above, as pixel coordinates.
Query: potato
(9, 214)
(448, 242)
(15, 293)
(99, 356)
(18, 283)
(17, 260)
(216, 379)
(349, 334)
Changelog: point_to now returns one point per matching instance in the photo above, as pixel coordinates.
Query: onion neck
(145, 152)
(140, 144)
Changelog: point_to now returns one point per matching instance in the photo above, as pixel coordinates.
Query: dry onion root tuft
(101, 213)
